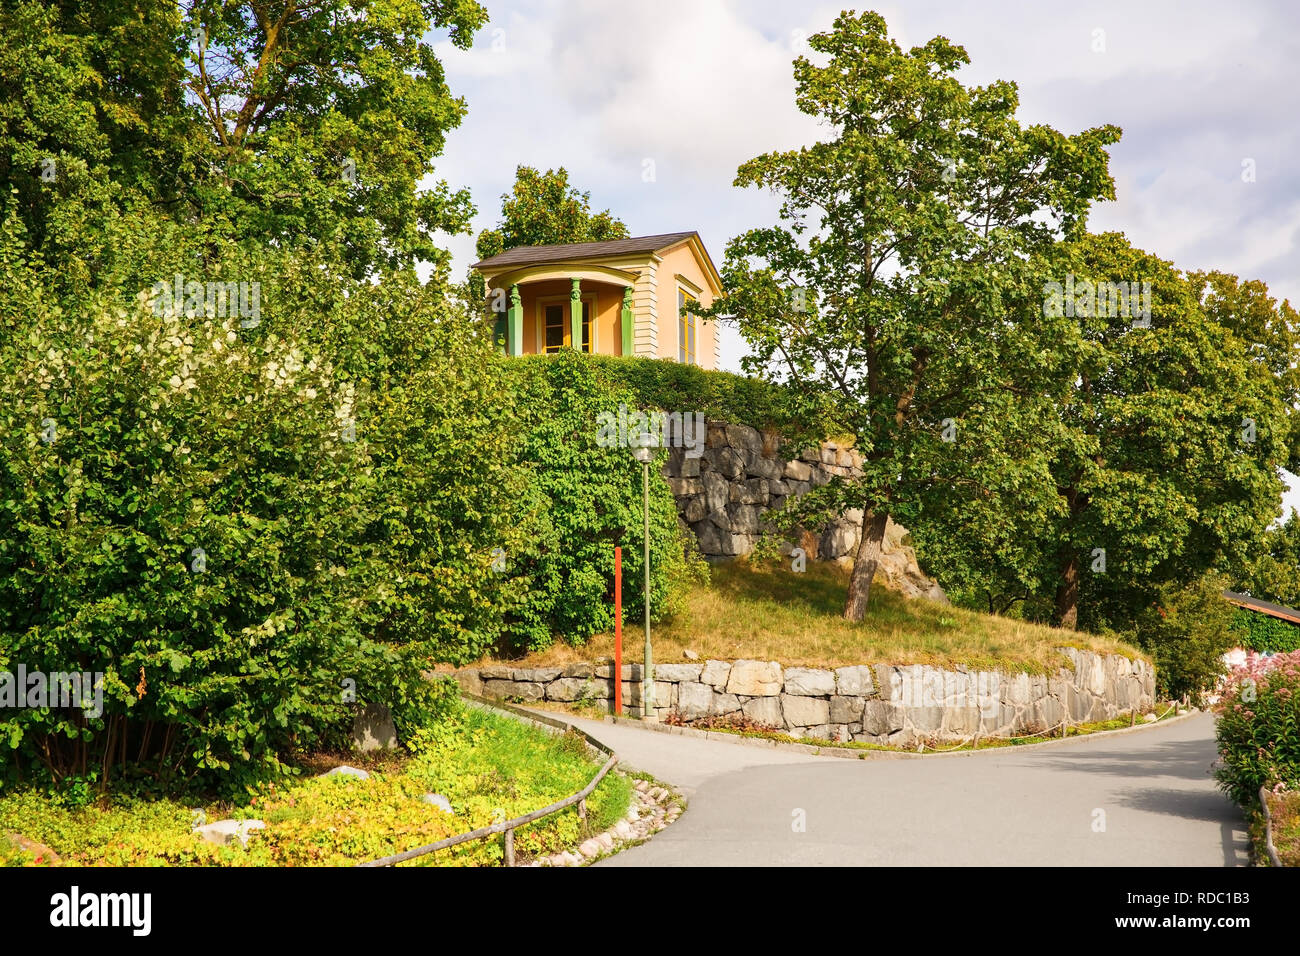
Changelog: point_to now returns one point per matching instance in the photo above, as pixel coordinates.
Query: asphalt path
(1143, 798)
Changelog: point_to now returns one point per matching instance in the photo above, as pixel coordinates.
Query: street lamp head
(643, 445)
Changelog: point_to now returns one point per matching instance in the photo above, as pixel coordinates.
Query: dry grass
(1285, 810)
(768, 612)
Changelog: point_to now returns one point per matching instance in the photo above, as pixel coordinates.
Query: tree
(290, 120)
(93, 118)
(247, 530)
(1187, 628)
(1177, 427)
(1168, 420)
(900, 277)
(1273, 573)
(544, 209)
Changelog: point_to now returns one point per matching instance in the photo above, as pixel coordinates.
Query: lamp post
(643, 445)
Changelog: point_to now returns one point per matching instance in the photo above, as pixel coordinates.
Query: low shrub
(487, 766)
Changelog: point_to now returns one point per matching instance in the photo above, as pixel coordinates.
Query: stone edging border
(848, 753)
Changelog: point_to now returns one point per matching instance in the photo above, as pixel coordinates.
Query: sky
(651, 106)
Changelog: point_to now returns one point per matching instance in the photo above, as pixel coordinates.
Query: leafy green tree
(249, 523)
(1165, 433)
(1177, 427)
(323, 118)
(92, 118)
(1273, 570)
(899, 278)
(294, 122)
(1187, 628)
(543, 209)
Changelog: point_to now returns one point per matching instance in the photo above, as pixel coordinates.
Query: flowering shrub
(1259, 726)
(228, 518)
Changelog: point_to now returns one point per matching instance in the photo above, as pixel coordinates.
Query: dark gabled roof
(1263, 607)
(530, 255)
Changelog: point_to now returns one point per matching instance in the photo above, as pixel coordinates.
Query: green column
(515, 322)
(575, 315)
(626, 321)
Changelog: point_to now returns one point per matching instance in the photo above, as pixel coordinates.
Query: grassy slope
(771, 613)
(482, 762)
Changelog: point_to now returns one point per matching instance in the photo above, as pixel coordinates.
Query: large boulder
(678, 672)
(765, 711)
(853, 681)
(715, 674)
(373, 729)
(805, 711)
(694, 700)
(846, 710)
(505, 689)
(229, 831)
(899, 568)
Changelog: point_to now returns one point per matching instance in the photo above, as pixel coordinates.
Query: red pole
(618, 630)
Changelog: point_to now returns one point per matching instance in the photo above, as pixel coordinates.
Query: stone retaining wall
(880, 703)
(725, 489)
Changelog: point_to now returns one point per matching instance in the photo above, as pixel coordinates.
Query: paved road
(1011, 807)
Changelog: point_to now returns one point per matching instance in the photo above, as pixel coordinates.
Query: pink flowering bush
(1259, 726)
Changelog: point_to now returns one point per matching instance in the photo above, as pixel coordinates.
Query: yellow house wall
(681, 261)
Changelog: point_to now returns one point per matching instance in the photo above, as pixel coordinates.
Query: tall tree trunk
(1067, 595)
(865, 562)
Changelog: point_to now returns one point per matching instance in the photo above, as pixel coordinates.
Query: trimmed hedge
(725, 396)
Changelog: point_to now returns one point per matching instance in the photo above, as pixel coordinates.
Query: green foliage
(797, 416)
(1148, 452)
(899, 278)
(592, 497)
(91, 118)
(1258, 730)
(295, 125)
(1187, 630)
(239, 518)
(1264, 634)
(488, 767)
(1157, 467)
(544, 210)
(1272, 571)
(346, 524)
